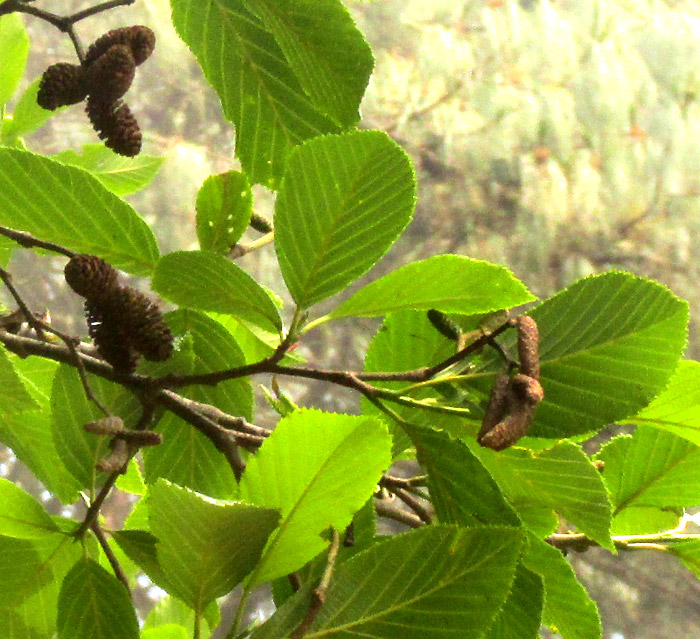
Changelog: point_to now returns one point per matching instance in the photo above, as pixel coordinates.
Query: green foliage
(222, 502)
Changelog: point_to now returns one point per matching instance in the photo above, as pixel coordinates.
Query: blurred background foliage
(558, 137)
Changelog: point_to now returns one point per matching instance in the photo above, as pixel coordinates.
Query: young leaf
(435, 582)
(14, 50)
(568, 609)
(561, 477)
(71, 410)
(69, 206)
(21, 515)
(462, 490)
(14, 396)
(651, 468)
(167, 631)
(689, 553)
(205, 548)
(27, 117)
(29, 433)
(608, 344)
(344, 200)
(521, 615)
(677, 408)
(207, 281)
(259, 90)
(94, 604)
(318, 469)
(224, 205)
(22, 571)
(447, 283)
(214, 350)
(170, 610)
(121, 175)
(325, 50)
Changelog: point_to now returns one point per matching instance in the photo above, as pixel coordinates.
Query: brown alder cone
(90, 276)
(110, 76)
(110, 338)
(62, 84)
(116, 125)
(141, 40)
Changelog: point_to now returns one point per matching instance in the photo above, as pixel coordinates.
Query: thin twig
(94, 510)
(318, 596)
(111, 557)
(410, 500)
(388, 511)
(26, 240)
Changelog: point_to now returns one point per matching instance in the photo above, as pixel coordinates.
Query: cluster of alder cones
(122, 322)
(103, 78)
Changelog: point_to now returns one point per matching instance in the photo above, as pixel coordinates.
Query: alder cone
(90, 276)
(143, 325)
(110, 76)
(141, 40)
(107, 333)
(62, 84)
(116, 125)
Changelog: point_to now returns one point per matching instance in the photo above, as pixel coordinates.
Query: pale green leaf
(651, 468)
(168, 631)
(435, 582)
(27, 116)
(608, 345)
(224, 206)
(561, 477)
(121, 175)
(324, 49)
(677, 408)
(447, 283)
(29, 433)
(67, 205)
(645, 520)
(568, 609)
(259, 91)
(21, 515)
(344, 200)
(94, 604)
(187, 457)
(71, 410)
(462, 490)
(318, 469)
(521, 615)
(209, 282)
(689, 553)
(171, 610)
(205, 548)
(132, 481)
(14, 50)
(14, 397)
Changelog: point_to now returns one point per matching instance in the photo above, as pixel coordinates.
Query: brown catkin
(141, 40)
(61, 84)
(90, 276)
(110, 76)
(442, 323)
(528, 346)
(110, 338)
(116, 125)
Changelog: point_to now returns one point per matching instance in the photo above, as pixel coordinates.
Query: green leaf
(651, 468)
(521, 615)
(94, 604)
(121, 175)
(689, 553)
(209, 282)
(288, 616)
(677, 408)
(324, 49)
(168, 631)
(71, 410)
(140, 546)
(462, 490)
(27, 117)
(224, 205)
(344, 200)
(447, 283)
(187, 457)
(14, 396)
(14, 50)
(170, 610)
(318, 469)
(29, 434)
(435, 582)
(132, 481)
(561, 477)
(22, 571)
(259, 90)
(608, 345)
(205, 548)
(645, 520)
(67, 205)
(568, 608)
(21, 515)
